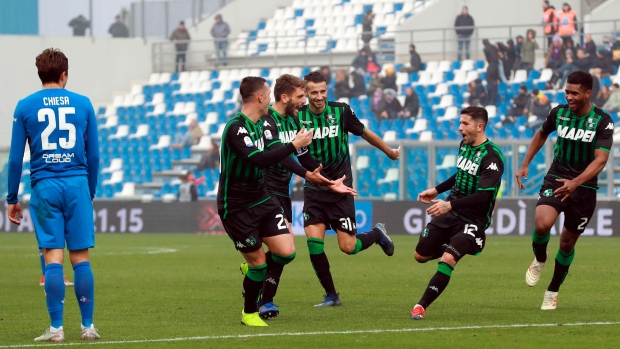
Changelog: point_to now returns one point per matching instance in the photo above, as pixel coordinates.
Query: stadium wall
(511, 217)
(97, 68)
(607, 11)
(442, 14)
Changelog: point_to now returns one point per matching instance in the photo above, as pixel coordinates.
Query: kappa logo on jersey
(479, 242)
(467, 165)
(287, 136)
(493, 166)
(248, 141)
(240, 245)
(241, 131)
(14, 119)
(610, 126)
(434, 288)
(548, 192)
(325, 132)
(576, 134)
(268, 134)
(271, 281)
(265, 124)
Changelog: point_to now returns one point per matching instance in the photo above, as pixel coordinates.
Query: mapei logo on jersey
(287, 137)
(268, 135)
(241, 131)
(58, 158)
(467, 165)
(493, 166)
(610, 126)
(325, 132)
(576, 134)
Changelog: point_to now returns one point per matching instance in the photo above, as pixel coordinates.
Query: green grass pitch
(184, 291)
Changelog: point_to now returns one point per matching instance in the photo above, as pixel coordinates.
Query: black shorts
(285, 203)
(337, 215)
(461, 237)
(578, 208)
(246, 228)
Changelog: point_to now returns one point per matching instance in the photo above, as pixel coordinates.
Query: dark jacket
(416, 62)
(341, 88)
(119, 30)
(521, 101)
(389, 81)
(180, 35)
(392, 108)
(412, 104)
(79, 25)
(464, 21)
(492, 56)
(359, 85)
(360, 61)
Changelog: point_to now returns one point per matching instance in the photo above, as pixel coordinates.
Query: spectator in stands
(210, 159)
(357, 83)
(510, 53)
(602, 96)
(528, 50)
(415, 62)
(540, 108)
(361, 60)
(464, 27)
(589, 46)
(550, 21)
(580, 62)
(220, 32)
(491, 54)
(180, 37)
(390, 105)
(518, 45)
(389, 80)
(504, 69)
(188, 138)
(602, 64)
(555, 55)
(79, 25)
(612, 105)
(520, 103)
(341, 88)
(367, 27)
(412, 104)
(327, 74)
(187, 190)
(375, 102)
(372, 66)
(477, 93)
(567, 24)
(374, 84)
(118, 29)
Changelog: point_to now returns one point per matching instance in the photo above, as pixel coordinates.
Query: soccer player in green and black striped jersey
(585, 137)
(332, 122)
(249, 214)
(280, 128)
(458, 224)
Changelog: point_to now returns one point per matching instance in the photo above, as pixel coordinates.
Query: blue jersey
(61, 130)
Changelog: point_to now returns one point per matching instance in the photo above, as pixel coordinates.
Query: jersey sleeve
(549, 125)
(492, 169)
(270, 131)
(605, 134)
(16, 155)
(240, 141)
(352, 123)
(92, 150)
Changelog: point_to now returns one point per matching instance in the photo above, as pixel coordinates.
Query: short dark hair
(477, 113)
(286, 84)
(580, 78)
(314, 77)
(616, 85)
(249, 85)
(50, 65)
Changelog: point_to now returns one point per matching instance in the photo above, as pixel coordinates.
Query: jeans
(220, 49)
(464, 41)
(180, 58)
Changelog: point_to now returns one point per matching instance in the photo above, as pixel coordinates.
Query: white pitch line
(295, 334)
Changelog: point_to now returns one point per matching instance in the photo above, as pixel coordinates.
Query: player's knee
(421, 259)
(347, 247)
(449, 258)
(283, 259)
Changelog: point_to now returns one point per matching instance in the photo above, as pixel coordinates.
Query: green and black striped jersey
(241, 183)
(279, 128)
(330, 144)
(478, 168)
(578, 137)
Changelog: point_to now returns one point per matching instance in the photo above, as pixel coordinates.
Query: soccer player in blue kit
(61, 131)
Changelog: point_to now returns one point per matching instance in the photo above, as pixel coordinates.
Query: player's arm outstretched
(261, 159)
(378, 143)
(537, 142)
(16, 158)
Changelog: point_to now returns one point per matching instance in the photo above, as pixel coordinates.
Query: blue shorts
(61, 211)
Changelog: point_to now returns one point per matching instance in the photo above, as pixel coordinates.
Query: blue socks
(84, 285)
(54, 293)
